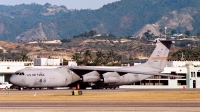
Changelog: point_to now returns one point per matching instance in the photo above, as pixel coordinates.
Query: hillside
(123, 49)
(126, 17)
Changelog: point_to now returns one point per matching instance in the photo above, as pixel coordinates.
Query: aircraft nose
(13, 79)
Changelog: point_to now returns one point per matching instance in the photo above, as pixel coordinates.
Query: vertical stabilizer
(158, 58)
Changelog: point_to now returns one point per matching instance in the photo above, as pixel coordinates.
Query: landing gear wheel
(20, 88)
(95, 87)
(6, 88)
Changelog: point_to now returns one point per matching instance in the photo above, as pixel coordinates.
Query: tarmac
(182, 106)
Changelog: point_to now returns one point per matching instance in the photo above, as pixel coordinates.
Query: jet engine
(131, 78)
(110, 77)
(128, 78)
(93, 76)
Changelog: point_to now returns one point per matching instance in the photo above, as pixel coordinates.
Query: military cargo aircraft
(95, 77)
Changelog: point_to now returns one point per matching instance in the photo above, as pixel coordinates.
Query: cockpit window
(19, 73)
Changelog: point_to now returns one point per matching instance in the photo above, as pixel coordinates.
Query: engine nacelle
(128, 78)
(132, 78)
(111, 80)
(111, 77)
(93, 76)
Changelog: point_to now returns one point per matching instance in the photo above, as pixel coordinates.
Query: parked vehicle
(5, 85)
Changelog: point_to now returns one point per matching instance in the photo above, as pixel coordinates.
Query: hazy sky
(70, 4)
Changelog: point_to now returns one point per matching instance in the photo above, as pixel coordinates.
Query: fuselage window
(17, 73)
(22, 73)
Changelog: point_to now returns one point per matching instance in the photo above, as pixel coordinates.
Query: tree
(92, 33)
(24, 56)
(187, 33)
(148, 35)
(65, 40)
(88, 56)
(173, 32)
(76, 57)
(111, 35)
(99, 57)
(110, 56)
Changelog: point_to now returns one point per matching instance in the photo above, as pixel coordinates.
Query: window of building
(192, 74)
(181, 82)
(198, 74)
(181, 74)
(152, 82)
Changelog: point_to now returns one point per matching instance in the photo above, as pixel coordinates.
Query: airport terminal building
(188, 69)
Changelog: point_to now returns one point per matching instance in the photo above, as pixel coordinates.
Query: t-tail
(158, 58)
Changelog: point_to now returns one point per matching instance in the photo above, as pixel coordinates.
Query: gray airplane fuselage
(57, 77)
(61, 77)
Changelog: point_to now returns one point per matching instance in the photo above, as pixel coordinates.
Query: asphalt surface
(183, 106)
(101, 104)
(97, 90)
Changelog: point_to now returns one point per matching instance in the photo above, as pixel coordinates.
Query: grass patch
(105, 96)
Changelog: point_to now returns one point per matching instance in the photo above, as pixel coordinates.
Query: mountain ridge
(123, 18)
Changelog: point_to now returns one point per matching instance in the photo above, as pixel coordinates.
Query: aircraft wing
(115, 69)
